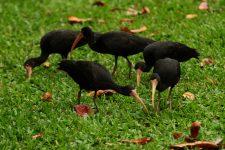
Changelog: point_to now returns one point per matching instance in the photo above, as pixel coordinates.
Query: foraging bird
(166, 74)
(57, 41)
(159, 50)
(116, 43)
(93, 76)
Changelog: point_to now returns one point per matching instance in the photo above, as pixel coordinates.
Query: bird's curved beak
(154, 85)
(136, 96)
(139, 72)
(77, 39)
(28, 71)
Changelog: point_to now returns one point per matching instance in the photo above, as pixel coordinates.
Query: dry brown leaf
(206, 61)
(83, 110)
(37, 136)
(101, 92)
(177, 135)
(132, 11)
(195, 127)
(145, 10)
(141, 141)
(125, 29)
(203, 6)
(74, 19)
(191, 16)
(127, 20)
(47, 96)
(99, 3)
(197, 144)
(46, 64)
(189, 95)
(142, 29)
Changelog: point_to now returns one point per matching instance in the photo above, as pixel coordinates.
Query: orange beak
(154, 85)
(139, 72)
(137, 98)
(77, 39)
(28, 71)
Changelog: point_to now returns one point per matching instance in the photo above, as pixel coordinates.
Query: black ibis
(93, 76)
(166, 74)
(159, 50)
(57, 41)
(117, 43)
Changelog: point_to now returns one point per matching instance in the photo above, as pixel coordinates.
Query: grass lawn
(23, 114)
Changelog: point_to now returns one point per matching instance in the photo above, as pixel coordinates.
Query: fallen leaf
(99, 3)
(142, 29)
(37, 136)
(127, 20)
(125, 29)
(46, 64)
(203, 6)
(189, 95)
(83, 110)
(138, 141)
(219, 141)
(132, 11)
(101, 92)
(47, 96)
(206, 61)
(145, 10)
(195, 127)
(177, 135)
(197, 144)
(73, 20)
(191, 16)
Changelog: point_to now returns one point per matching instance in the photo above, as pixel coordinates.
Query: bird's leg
(115, 66)
(130, 66)
(158, 106)
(169, 97)
(79, 95)
(94, 99)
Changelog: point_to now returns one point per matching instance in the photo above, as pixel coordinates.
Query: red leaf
(138, 141)
(83, 110)
(177, 135)
(195, 127)
(99, 3)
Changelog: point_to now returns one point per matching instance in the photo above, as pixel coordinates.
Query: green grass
(23, 114)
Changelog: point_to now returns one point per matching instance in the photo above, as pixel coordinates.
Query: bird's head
(29, 65)
(141, 67)
(65, 65)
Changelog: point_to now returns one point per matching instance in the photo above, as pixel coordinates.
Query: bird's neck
(41, 59)
(146, 68)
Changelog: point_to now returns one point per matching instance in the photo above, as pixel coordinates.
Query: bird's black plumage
(166, 73)
(116, 43)
(93, 76)
(57, 41)
(159, 50)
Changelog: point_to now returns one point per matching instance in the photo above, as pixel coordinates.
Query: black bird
(93, 76)
(166, 74)
(159, 50)
(116, 43)
(57, 41)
